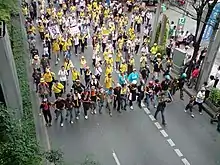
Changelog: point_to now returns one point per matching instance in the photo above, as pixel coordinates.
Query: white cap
(203, 89)
(134, 82)
(118, 85)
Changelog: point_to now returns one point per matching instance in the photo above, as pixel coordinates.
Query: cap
(36, 57)
(134, 82)
(42, 80)
(118, 85)
(82, 57)
(93, 76)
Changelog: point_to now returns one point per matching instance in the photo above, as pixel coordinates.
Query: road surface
(135, 137)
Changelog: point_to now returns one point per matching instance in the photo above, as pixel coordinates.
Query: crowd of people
(120, 39)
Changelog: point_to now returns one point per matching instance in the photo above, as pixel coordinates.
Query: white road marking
(185, 161)
(164, 133)
(178, 152)
(116, 158)
(152, 117)
(171, 143)
(146, 110)
(158, 125)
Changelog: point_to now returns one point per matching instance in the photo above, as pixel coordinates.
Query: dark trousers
(76, 49)
(189, 107)
(50, 84)
(58, 95)
(199, 105)
(47, 116)
(207, 93)
(160, 109)
(136, 48)
(216, 83)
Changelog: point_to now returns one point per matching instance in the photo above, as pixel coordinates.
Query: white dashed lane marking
(185, 161)
(146, 110)
(152, 117)
(116, 158)
(171, 143)
(178, 152)
(164, 133)
(158, 125)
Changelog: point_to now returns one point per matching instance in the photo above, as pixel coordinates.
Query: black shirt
(34, 52)
(60, 104)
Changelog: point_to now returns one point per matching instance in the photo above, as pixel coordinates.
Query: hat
(82, 57)
(93, 76)
(110, 55)
(134, 69)
(134, 82)
(187, 47)
(118, 85)
(36, 57)
(42, 80)
(155, 44)
(47, 70)
(167, 77)
(45, 99)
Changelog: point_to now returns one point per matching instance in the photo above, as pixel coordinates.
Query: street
(135, 137)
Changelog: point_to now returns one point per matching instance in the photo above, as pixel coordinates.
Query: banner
(54, 31)
(74, 30)
(211, 23)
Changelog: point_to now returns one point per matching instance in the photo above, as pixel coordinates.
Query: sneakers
(192, 115)
(131, 107)
(71, 122)
(200, 113)
(94, 111)
(86, 117)
(185, 110)
(61, 124)
(77, 118)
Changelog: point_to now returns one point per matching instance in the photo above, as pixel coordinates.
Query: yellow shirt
(65, 46)
(118, 57)
(82, 63)
(110, 61)
(131, 62)
(57, 88)
(123, 68)
(55, 47)
(68, 65)
(108, 70)
(108, 82)
(48, 77)
(75, 75)
(41, 28)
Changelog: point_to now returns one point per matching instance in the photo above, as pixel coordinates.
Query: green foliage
(158, 33)
(16, 147)
(54, 156)
(18, 144)
(215, 97)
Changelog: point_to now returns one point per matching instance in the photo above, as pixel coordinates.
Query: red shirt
(195, 73)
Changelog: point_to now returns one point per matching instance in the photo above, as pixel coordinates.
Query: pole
(209, 60)
(156, 19)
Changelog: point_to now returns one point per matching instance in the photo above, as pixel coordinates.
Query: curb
(206, 108)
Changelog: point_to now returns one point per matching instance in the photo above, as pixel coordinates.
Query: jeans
(123, 102)
(100, 104)
(69, 112)
(60, 113)
(117, 101)
(77, 112)
(160, 109)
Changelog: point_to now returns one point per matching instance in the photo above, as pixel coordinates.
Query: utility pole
(156, 19)
(209, 60)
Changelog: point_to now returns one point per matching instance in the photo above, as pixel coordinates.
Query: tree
(199, 6)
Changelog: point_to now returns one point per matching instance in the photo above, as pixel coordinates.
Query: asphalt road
(133, 138)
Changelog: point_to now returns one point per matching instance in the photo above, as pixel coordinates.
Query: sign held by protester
(74, 30)
(54, 31)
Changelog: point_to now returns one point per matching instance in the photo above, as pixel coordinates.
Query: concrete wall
(8, 77)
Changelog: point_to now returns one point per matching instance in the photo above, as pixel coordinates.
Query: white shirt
(63, 75)
(98, 71)
(210, 85)
(76, 41)
(200, 97)
(149, 15)
(217, 76)
(46, 51)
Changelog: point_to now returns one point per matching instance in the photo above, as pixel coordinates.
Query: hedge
(215, 97)
(19, 145)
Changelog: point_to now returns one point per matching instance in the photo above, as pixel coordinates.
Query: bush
(215, 97)
(18, 143)
(157, 33)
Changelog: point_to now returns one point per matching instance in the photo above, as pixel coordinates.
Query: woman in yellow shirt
(83, 64)
(109, 81)
(56, 49)
(48, 78)
(41, 30)
(108, 70)
(67, 65)
(75, 74)
(57, 88)
(118, 59)
(123, 67)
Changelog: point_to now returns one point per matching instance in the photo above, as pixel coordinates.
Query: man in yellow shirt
(109, 81)
(123, 67)
(57, 88)
(75, 74)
